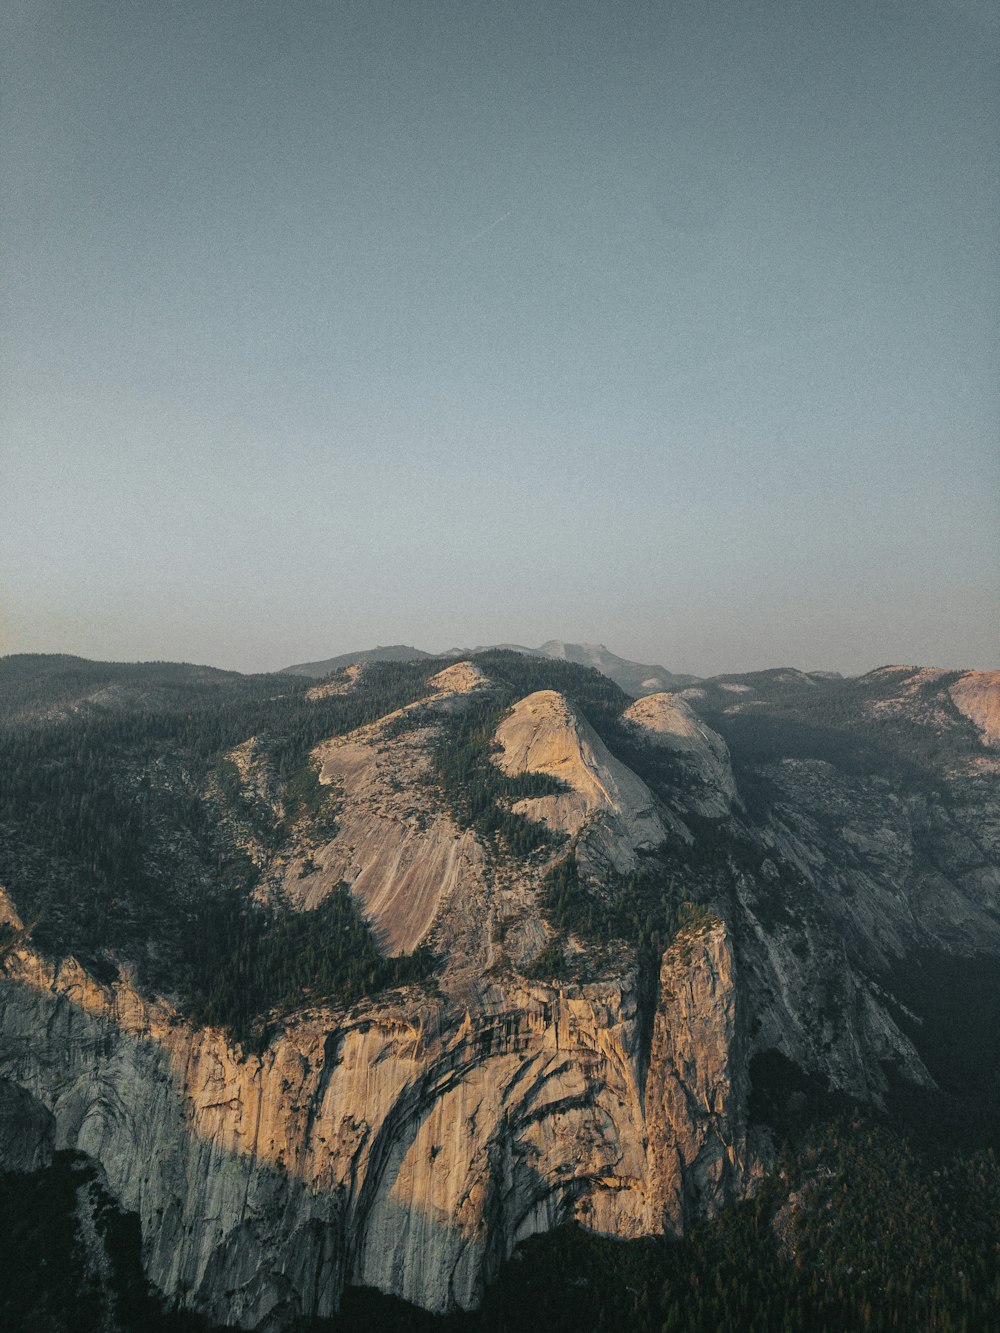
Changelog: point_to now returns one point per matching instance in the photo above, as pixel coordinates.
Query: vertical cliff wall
(696, 1093)
(408, 1145)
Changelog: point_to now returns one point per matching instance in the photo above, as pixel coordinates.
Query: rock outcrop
(400, 852)
(606, 807)
(977, 695)
(343, 682)
(396, 845)
(696, 1093)
(704, 782)
(459, 678)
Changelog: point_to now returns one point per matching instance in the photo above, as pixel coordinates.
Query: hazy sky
(673, 326)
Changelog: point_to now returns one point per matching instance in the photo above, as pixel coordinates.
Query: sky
(334, 323)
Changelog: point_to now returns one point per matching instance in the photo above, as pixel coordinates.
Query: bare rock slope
(605, 804)
(706, 777)
(397, 848)
(977, 695)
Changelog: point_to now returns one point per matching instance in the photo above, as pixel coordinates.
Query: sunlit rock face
(977, 695)
(407, 1145)
(461, 678)
(704, 782)
(697, 1088)
(605, 804)
(342, 683)
(397, 846)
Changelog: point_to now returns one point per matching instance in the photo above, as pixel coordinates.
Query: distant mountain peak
(559, 648)
(635, 678)
(397, 652)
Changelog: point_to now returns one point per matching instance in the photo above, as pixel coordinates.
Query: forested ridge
(116, 845)
(844, 723)
(114, 848)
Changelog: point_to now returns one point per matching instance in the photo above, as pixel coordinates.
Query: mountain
(634, 678)
(398, 652)
(480, 984)
(59, 687)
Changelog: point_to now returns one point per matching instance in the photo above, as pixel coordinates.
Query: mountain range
(634, 678)
(503, 988)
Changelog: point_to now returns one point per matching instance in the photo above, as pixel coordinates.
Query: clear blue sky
(672, 325)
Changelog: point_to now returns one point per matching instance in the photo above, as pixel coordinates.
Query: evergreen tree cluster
(254, 964)
(646, 909)
(59, 1281)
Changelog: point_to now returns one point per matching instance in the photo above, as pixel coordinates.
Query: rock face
(460, 678)
(343, 683)
(401, 854)
(977, 695)
(408, 1144)
(705, 781)
(606, 806)
(396, 846)
(697, 1088)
